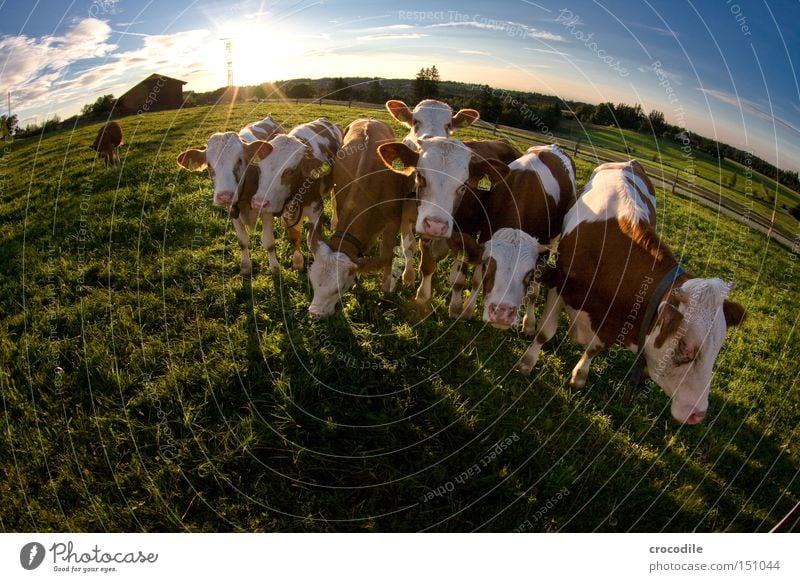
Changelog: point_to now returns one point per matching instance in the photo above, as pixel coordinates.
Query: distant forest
(525, 110)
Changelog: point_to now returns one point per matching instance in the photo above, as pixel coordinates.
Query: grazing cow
(370, 201)
(107, 142)
(295, 174)
(611, 268)
(430, 118)
(533, 197)
(235, 182)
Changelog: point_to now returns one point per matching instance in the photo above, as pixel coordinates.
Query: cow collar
(655, 300)
(346, 236)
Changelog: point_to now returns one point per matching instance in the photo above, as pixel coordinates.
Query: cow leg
(552, 309)
(388, 240)
(581, 370)
(431, 253)
(245, 264)
(529, 321)
(268, 241)
(472, 301)
(458, 279)
(408, 240)
(295, 235)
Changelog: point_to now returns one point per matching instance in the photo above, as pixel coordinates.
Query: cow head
(331, 274)
(430, 118)
(507, 268)
(224, 157)
(445, 168)
(286, 163)
(684, 343)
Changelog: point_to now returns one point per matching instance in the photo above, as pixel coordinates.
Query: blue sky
(726, 69)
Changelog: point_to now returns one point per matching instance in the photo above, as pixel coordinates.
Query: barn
(155, 93)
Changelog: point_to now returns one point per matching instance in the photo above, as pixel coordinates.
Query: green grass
(145, 386)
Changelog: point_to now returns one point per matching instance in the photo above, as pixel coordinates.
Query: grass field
(145, 386)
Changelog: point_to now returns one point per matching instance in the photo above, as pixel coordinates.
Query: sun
(258, 52)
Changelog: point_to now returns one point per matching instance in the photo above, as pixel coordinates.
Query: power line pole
(229, 59)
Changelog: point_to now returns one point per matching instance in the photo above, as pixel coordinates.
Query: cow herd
(518, 218)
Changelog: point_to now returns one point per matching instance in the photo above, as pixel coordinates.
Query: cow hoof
(523, 368)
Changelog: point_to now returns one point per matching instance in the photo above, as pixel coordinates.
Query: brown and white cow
(107, 142)
(430, 118)
(235, 182)
(533, 197)
(609, 266)
(295, 174)
(370, 201)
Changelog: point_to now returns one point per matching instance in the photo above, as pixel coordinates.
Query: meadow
(145, 386)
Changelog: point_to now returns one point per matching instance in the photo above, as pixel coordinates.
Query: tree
(101, 107)
(300, 91)
(376, 93)
(339, 89)
(654, 123)
(604, 114)
(8, 126)
(426, 84)
(584, 112)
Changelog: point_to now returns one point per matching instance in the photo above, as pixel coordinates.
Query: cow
(611, 267)
(430, 118)
(533, 198)
(107, 143)
(370, 201)
(295, 175)
(235, 182)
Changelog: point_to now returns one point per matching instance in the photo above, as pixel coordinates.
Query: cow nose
(259, 204)
(223, 198)
(696, 417)
(313, 314)
(434, 227)
(502, 313)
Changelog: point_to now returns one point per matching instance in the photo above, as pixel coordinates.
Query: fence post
(577, 146)
(675, 180)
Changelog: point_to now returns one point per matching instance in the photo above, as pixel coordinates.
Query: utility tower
(229, 58)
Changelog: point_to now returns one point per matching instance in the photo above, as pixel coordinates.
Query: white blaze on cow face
(684, 344)
(331, 274)
(224, 157)
(430, 118)
(277, 172)
(509, 263)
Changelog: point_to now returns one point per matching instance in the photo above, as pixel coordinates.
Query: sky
(726, 69)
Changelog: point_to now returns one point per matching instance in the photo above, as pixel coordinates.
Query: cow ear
(313, 168)
(734, 313)
(399, 111)
(398, 157)
(192, 160)
(257, 150)
(493, 169)
(465, 117)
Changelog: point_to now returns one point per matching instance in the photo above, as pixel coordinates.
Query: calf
(295, 174)
(107, 142)
(611, 265)
(235, 182)
(533, 199)
(430, 118)
(370, 201)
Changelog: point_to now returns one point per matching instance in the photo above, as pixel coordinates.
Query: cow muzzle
(223, 198)
(433, 227)
(501, 316)
(260, 204)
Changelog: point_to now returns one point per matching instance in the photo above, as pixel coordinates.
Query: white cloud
(511, 28)
(751, 108)
(371, 37)
(469, 52)
(548, 51)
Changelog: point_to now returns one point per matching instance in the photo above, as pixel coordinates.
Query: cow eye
(211, 171)
(416, 125)
(421, 181)
(528, 278)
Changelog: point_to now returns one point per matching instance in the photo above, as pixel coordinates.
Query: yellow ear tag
(398, 165)
(552, 259)
(324, 169)
(485, 183)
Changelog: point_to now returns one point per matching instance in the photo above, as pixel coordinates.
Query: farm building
(155, 93)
